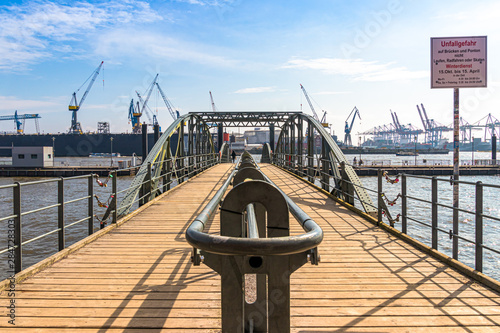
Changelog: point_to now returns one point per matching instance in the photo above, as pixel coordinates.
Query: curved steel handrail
(252, 246)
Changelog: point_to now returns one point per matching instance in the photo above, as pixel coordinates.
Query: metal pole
(271, 137)
(479, 226)
(404, 208)
(115, 201)
(18, 239)
(60, 212)
(379, 194)
(456, 176)
(494, 149)
(434, 213)
(90, 203)
(150, 183)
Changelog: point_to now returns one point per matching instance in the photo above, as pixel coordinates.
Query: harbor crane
(315, 115)
(74, 105)
(348, 128)
(175, 114)
(134, 115)
(20, 119)
(214, 109)
(144, 102)
(433, 129)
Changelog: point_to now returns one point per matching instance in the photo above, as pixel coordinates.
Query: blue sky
(252, 55)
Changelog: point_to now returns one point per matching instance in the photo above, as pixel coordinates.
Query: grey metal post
(90, 203)
(220, 136)
(325, 166)
(300, 146)
(18, 239)
(114, 199)
(156, 132)
(292, 147)
(60, 212)
(190, 146)
(379, 195)
(181, 155)
(434, 213)
(310, 151)
(271, 137)
(479, 226)
(404, 208)
(169, 172)
(494, 149)
(456, 170)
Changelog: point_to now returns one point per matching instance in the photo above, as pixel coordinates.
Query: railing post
(18, 239)
(169, 172)
(404, 208)
(479, 226)
(434, 213)
(325, 165)
(90, 204)
(60, 212)
(379, 195)
(115, 194)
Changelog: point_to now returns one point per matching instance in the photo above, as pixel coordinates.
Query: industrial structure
(19, 121)
(348, 127)
(75, 105)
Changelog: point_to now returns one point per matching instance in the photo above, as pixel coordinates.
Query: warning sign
(458, 62)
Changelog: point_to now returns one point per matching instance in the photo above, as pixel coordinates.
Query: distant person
(354, 161)
(233, 156)
(360, 162)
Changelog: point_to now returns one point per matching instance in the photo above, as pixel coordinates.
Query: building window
(34, 156)
(50, 156)
(20, 156)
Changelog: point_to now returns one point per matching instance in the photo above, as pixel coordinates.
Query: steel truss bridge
(197, 243)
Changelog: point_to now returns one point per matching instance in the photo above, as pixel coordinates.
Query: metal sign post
(457, 62)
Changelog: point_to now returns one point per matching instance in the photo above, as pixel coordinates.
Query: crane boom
(315, 115)
(143, 106)
(167, 103)
(422, 119)
(214, 109)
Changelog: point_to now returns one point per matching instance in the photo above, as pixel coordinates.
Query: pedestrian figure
(354, 162)
(233, 155)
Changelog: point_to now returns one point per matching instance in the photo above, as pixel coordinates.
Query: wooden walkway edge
(139, 278)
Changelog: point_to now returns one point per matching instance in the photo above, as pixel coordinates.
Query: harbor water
(39, 195)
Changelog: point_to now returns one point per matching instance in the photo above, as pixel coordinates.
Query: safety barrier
(254, 255)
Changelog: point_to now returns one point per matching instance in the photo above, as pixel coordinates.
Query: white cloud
(36, 30)
(255, 90)
(208, 2)
(9, 104)
(358, 69)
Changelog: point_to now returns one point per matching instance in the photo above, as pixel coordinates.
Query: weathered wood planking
(139, 277)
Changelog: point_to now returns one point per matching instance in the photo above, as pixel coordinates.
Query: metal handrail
(252, 246)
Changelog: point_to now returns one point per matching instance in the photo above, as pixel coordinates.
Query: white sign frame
(459, 62)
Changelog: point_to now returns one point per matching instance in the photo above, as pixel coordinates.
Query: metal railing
(392, 205)
(254, 241)
(97, 209)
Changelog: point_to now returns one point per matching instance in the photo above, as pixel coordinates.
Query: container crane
(315, 115)
(20, 119)
(175, 114)
(74, 105)
(433, 129)
(348, 128)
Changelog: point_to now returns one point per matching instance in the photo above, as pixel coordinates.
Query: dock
(137, 276)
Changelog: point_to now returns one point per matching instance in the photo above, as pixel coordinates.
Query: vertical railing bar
(18, 239)
(404, 207)
(60, 212)
(379, 195)
(115, 195)
(434, 213)
(90, 204)
(479, 226)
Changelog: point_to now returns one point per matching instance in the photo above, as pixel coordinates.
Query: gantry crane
(348, 128)
(20, 119)
(74, 105)
(175, 114)
(315, 115)
(433, 129)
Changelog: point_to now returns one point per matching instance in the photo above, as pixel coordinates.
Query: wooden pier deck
(139, 278)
